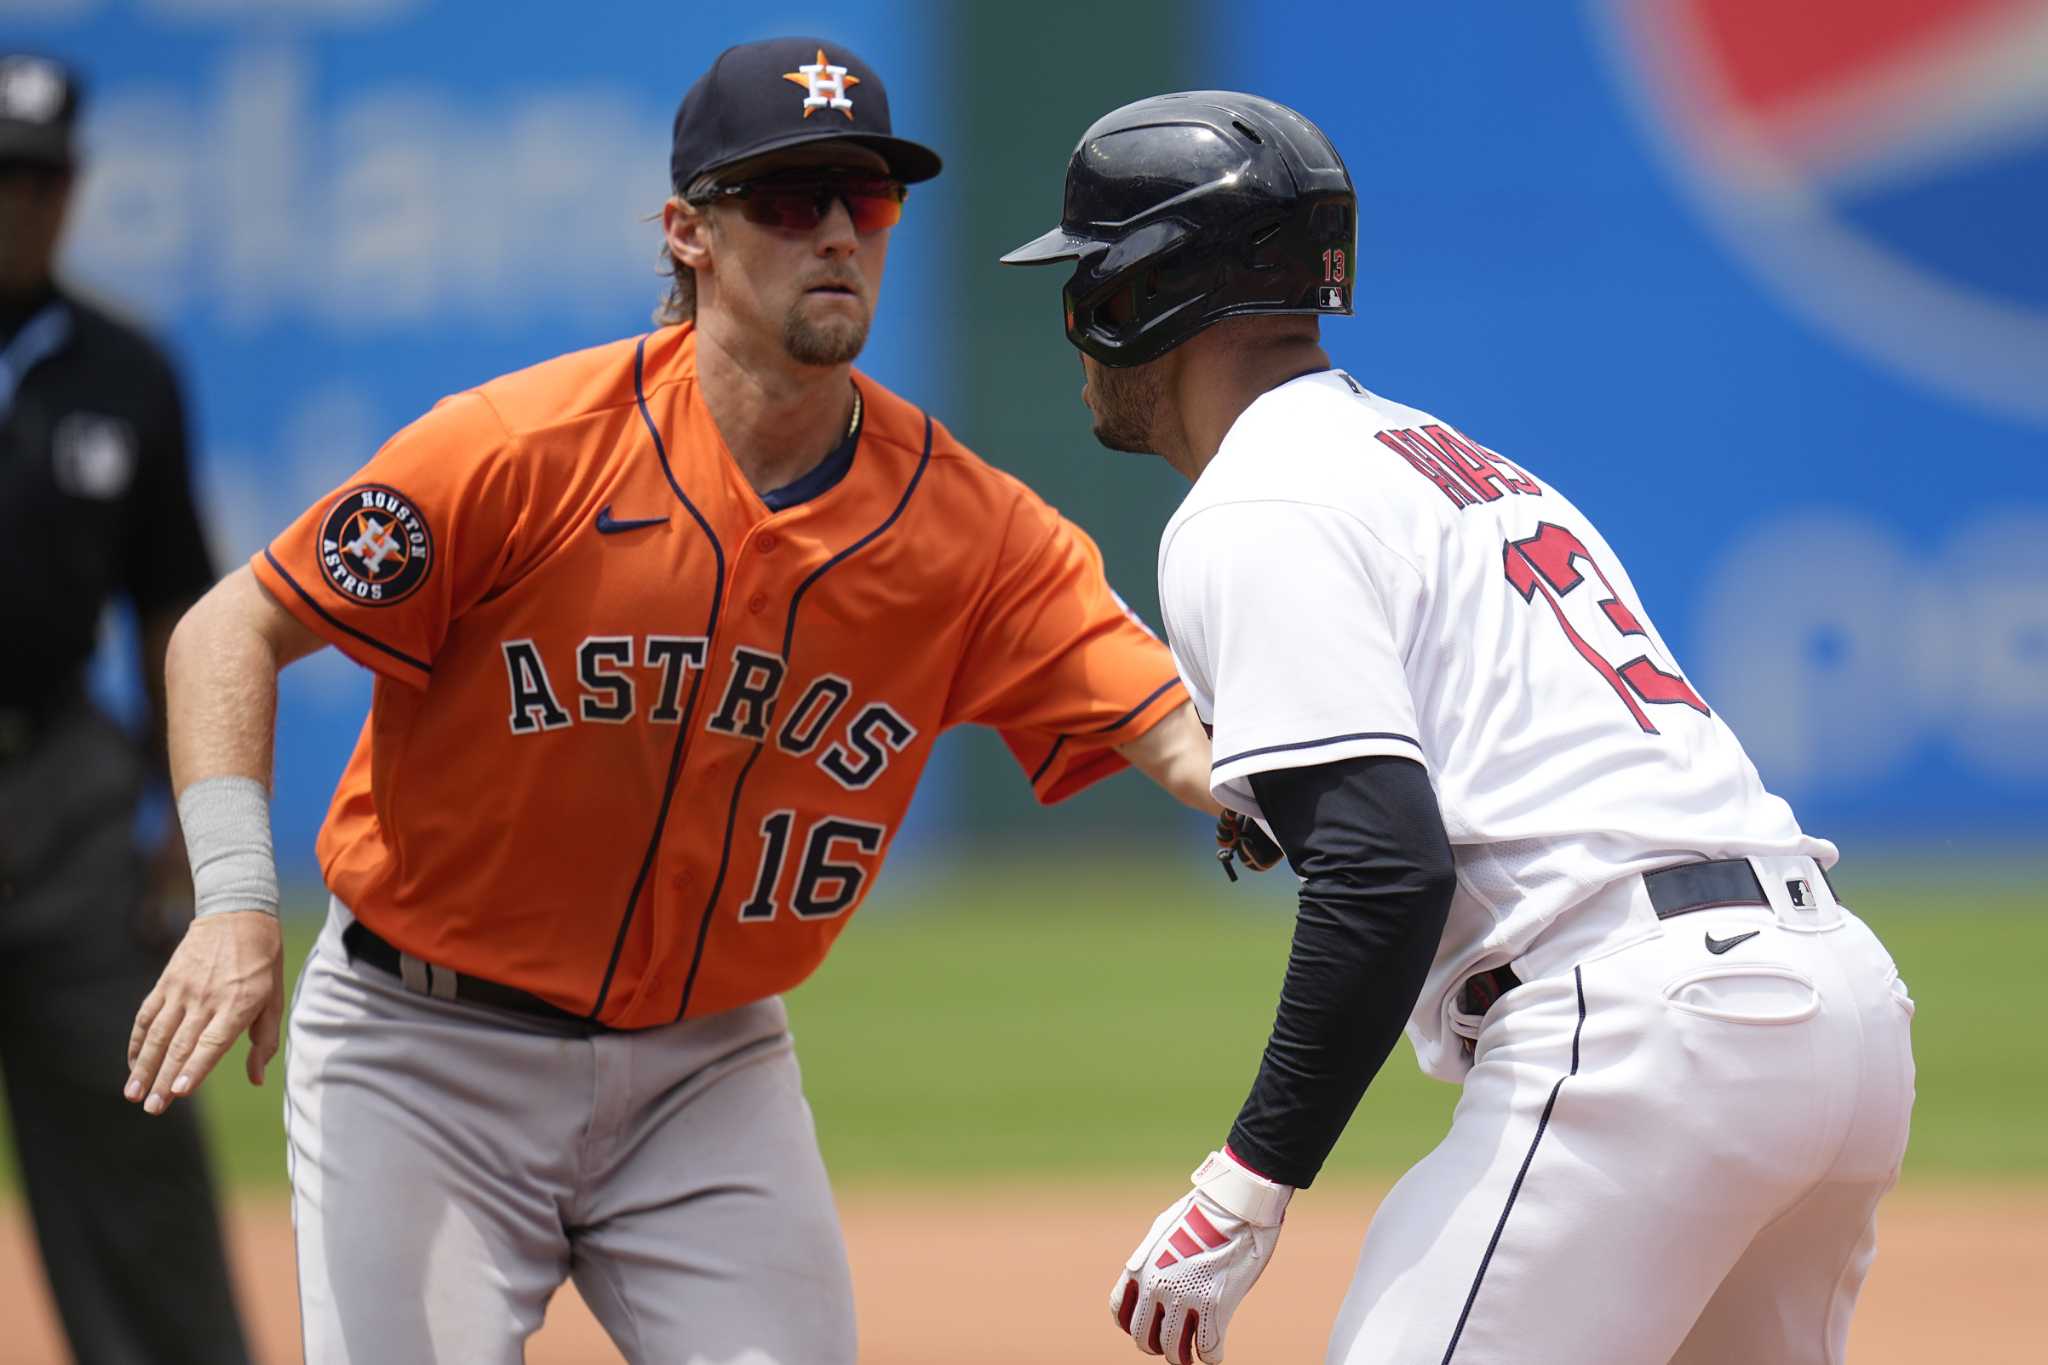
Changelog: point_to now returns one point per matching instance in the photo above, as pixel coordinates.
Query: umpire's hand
(226, 977)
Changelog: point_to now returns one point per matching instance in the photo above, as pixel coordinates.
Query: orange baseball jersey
(639, 741)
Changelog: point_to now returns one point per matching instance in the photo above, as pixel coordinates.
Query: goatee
(832, 341)
(1127, 403)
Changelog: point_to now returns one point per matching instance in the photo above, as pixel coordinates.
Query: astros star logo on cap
(825, 85)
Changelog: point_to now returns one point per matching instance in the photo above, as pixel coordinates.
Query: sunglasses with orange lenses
(799, 201)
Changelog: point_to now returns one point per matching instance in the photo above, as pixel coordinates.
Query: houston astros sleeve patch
(374, 546)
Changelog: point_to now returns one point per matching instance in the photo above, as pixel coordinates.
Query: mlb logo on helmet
(1885, 166)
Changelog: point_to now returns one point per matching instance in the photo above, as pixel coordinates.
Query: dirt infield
(1959, 1276)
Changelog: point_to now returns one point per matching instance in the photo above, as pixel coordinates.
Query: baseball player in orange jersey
(663, 634)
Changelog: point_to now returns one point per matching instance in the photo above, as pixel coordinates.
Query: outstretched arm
(1175, 754)
(227, 975)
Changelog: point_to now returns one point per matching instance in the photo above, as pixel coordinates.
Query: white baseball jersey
(1353, 577)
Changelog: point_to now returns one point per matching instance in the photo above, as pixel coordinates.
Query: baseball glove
(1240, 840)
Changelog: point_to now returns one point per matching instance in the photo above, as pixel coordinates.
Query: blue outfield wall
(1773, 309)
(338, 211)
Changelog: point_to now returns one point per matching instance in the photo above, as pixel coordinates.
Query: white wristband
(227, 839)
(1257, 1200)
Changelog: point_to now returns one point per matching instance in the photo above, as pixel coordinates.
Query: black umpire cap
(784, 92)
(38, 109)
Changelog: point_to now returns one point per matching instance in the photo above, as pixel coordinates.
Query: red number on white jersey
(1545, 563)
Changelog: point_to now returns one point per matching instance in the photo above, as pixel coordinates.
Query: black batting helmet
(1185, 209)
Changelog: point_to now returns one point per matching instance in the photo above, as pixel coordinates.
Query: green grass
(1975, 969)
(1098, 1023)
(1053, 1023)
(1022, 1025)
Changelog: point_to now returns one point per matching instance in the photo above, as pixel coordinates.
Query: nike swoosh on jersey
(607, 525)
(1722, 945)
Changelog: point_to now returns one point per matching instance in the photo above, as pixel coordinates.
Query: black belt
(1674, 891)
(362, 943)
(1703, 886)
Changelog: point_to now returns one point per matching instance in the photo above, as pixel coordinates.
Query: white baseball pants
(1662, 1153)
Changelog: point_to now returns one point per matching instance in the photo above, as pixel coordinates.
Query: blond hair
(681, 303)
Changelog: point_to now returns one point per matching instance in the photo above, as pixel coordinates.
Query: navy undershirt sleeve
(1368, 841)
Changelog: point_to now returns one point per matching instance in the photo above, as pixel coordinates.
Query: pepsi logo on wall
(1882, 163)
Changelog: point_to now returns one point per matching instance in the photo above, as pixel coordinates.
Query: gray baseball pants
(452, 1164)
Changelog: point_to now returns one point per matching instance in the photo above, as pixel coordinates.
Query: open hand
(227, 977)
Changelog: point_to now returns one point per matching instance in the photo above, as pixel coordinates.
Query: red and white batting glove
(1203, 1255)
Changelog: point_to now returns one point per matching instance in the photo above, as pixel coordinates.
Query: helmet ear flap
(1105, 321)
(1120, 309)
(1184, 275)
(1128, 319)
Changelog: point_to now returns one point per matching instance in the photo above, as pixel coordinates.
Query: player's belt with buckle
(1706, 885)
(425, 978)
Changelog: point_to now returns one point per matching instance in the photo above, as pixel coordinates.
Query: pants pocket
(1745, 994)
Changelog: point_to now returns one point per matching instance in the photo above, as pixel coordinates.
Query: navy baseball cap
(784, 92)
(38, 108)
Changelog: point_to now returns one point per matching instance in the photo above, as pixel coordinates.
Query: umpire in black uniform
(94, 502)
